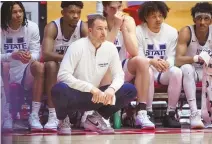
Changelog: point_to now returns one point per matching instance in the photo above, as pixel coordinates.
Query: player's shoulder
(141, 27)
(169, 29)
(128, 18)
(31, 24)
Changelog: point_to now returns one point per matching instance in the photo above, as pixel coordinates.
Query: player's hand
(164, 65)
(110, 93)
(26, 57)
(98, 95)
(118, 19)
(155, 64)
(17, 55)
(200, 60)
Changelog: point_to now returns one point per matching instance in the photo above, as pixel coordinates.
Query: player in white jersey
(121, 31)
(157, 41)
(20, 46)
(58, 35)
(192, 40)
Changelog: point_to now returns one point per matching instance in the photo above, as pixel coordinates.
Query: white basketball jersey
(156, 45)
(119, 43)
(25, 39)
(194, 48)
(61, 44)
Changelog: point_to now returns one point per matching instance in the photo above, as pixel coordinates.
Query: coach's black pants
(68, 100)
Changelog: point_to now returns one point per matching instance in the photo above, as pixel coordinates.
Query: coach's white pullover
(84, 66)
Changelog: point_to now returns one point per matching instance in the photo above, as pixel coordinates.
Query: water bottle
(25, 110)
(117, 120)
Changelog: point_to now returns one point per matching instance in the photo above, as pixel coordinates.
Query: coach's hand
(109, 93)
(98, 95)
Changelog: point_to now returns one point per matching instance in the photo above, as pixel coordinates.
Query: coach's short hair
(92, 19)
(152, 6)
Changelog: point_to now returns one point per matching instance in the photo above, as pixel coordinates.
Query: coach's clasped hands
(105, 97)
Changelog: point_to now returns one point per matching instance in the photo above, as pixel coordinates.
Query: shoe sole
(36, 130)
(148, 128)
(145, 128)
(50, 130)
(198, 127)
(89, 127)
(64, 132)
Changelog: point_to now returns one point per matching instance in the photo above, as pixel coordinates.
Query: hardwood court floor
(123, 136)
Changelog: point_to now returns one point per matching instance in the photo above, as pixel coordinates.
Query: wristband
(196, 58)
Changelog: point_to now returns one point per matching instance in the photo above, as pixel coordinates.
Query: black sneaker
(151, 116)
(170, 121)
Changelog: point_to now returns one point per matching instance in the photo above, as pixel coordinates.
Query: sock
(149, 109)
(141, 106)
(193, 106)
(35, 107)
(7, 110)
(52, 111)
(169, 109)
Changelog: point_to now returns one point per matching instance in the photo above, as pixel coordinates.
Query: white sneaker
(34, 123)
(143, 121)
(195, 121)
(208, 126)
(83, 119)
(107, 122)
(7, 123)
(52, 123)
(96, 123)
(64, 126)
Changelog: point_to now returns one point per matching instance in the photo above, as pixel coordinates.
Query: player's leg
(34, 78)
(172, 78)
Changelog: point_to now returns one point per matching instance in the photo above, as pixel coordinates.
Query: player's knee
(51, 66)
(130, 90)
(141, 63)
(187, 70)
(58, 89)
(176, 72)
(38, 69)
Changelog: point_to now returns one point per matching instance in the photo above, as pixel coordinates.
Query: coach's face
(71, 15)
(99, 30)
(202, 22)
(154, 21)
(17, 14)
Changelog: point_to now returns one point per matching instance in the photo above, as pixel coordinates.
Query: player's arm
(34, 43)
(129, 35)
(50, 34)
(183, 39)
(84, 29)
(171, 50)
